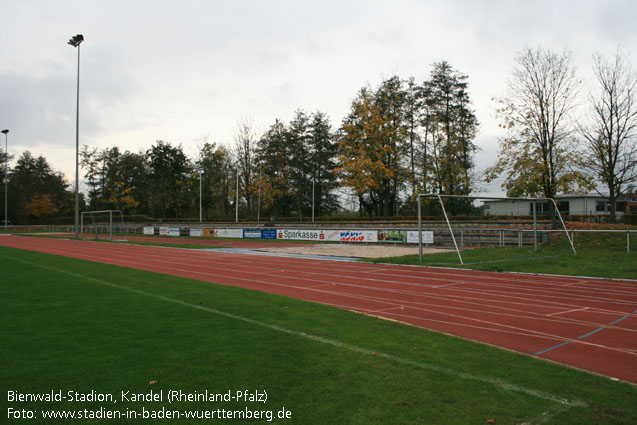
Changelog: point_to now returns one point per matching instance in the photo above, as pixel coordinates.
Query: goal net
(100, 222)
(511, 228)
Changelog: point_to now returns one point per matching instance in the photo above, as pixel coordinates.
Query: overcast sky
(187, 71)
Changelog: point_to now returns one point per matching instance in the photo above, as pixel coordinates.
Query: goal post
(93, 214)
(526, 206)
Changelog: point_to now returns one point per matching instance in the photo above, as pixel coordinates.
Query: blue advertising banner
(252, 233)
(268, 233)
(259, 233)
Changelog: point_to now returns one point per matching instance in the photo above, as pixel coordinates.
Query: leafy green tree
(300, 164)
(323, 155)
(10, 196)
(132, 177)
(38, 189)
(450, 127)
(169, 172)
(89, 161)
(275, 168)
(215, 164)
(296, 160)
(115, 180)
(413, 107)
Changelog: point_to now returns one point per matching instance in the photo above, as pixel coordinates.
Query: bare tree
(535, 111)
(610, 134)
(245, 150)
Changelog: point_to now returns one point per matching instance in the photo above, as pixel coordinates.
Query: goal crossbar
(453, 238)
(110, 220)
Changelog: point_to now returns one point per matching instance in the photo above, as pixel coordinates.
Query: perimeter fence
(468, 235)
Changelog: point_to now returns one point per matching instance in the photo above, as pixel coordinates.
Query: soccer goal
(523, 228)
(98, 223)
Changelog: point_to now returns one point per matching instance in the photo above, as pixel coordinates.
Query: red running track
(586, 323)
(230, 243)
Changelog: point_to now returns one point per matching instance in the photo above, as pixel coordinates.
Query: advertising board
(328, 235)
(229, 233)
(259, 233)
(252, 233)
(359, 236)
(169, 231)
(427, 237)
(395, 236)
(300, 235)
(268, 233)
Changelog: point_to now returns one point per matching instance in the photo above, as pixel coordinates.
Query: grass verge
(598, 255)
(72, 325)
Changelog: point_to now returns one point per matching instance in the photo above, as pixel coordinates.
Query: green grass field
(598, 255)
(72, 325)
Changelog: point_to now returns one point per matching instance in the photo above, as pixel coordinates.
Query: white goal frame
(444, 211)
(110, 221)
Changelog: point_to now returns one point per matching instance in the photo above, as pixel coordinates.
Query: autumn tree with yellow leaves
(372, 147)
(404, 138)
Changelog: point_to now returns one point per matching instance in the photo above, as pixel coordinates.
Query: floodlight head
(76, 40)
(4, 131)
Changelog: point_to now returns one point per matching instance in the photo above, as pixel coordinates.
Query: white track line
(360, 350)
(485, 324)
(162, 264)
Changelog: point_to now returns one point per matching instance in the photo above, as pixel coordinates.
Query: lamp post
(259, 206)
(200, 199)
(6, 177)
(75, 41)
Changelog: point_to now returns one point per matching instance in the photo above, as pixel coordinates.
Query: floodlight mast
(6, 177)
(75, 41)
(200, 197)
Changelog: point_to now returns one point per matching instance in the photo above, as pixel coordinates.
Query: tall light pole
(236, 202)
(259, 206)
(200, 198)
(6, 177)
(75, 41)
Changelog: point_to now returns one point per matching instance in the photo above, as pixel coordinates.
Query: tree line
(400, 138)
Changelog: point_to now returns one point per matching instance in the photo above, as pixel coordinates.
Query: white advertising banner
(196, 232)
(328, 235)
(229, 233)
(359, 236)
(332, 235)
(427, 237)
(149, 230)
(169, 231)
(301, 235)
